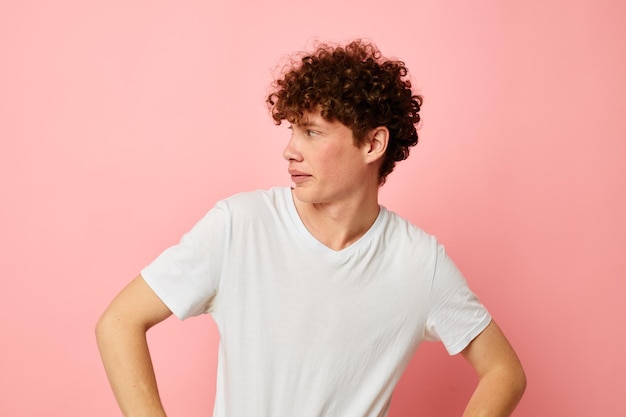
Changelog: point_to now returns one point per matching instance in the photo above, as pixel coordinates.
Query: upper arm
(491, 351)
(138, 305)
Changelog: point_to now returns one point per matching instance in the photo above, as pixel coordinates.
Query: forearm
(128, 365)
(497, 394)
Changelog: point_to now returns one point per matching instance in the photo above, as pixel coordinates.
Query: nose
(291, 151)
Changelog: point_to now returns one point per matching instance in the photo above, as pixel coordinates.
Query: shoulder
(258, 203)
(407, 244)
(398, 228)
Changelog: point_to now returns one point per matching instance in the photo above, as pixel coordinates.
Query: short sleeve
(186, 276)
(456, 316)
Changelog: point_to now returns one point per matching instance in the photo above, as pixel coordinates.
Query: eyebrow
(305, 122)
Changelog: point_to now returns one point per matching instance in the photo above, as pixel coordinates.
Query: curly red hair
(356, 86)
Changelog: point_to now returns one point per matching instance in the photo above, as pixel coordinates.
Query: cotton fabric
(306, 330)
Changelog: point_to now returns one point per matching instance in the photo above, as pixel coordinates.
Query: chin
(305, 195)
(300, 194)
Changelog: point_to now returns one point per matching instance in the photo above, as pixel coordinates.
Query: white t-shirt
(305, 330)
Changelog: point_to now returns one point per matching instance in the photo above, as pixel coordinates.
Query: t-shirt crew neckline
(318, 246)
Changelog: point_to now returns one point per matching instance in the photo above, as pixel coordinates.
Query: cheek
(327, 158)
(343, 164)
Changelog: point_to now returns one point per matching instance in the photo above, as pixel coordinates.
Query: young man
(321, 295)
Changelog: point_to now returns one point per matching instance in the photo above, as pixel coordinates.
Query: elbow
(521, 382)
(517, 382)
(102, 329)
(114, 326)
(508, 380)
(108, 328)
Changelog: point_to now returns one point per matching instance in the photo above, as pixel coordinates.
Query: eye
(312, 133)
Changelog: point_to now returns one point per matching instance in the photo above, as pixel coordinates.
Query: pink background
(122, 122)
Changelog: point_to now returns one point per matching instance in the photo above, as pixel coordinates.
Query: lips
(298, 176)
(296, 173)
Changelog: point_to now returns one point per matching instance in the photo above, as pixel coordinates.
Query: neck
(339, 224)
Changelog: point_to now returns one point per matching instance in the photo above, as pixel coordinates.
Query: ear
(376, 144)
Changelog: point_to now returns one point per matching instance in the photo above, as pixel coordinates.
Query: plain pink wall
(122, 122)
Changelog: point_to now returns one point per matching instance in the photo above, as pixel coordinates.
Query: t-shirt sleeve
(186, 276)
(456, 316)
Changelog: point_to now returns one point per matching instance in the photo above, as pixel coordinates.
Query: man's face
(324, 163)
